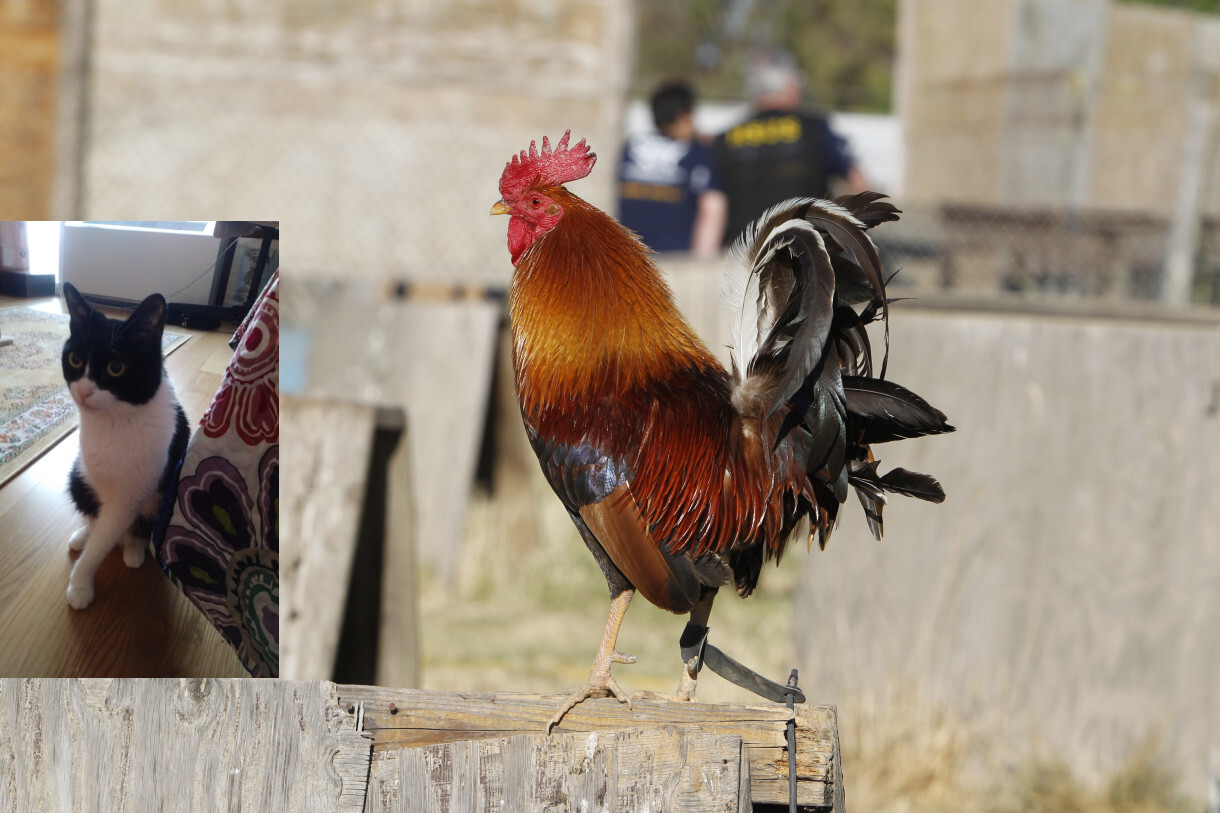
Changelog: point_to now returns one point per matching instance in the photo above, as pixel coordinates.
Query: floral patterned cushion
(221, 544)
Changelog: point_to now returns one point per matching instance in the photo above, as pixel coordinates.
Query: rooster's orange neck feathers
(591, 315)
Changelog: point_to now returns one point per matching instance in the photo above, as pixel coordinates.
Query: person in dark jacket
(781, 151)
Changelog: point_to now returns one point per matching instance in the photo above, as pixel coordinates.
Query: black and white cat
(133, 432)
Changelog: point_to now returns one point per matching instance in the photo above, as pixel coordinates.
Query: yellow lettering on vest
(763, 132)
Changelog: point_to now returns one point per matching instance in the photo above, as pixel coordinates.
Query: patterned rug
(35, 407)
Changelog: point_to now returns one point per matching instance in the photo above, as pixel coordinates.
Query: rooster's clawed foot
(601, 684)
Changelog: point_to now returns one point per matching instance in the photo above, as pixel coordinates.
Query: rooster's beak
(501, 208)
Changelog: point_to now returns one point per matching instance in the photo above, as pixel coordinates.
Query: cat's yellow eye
(116, 368)
(75, 361)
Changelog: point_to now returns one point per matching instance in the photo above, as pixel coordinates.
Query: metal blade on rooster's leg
(682, 476)
(697, 653)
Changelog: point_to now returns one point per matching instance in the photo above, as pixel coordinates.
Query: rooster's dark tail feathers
(806, 280)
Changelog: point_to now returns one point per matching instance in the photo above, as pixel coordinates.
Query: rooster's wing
(595, 487)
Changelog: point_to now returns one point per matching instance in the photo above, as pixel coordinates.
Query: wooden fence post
(254, 744)
(326, 460)
(498, 743)
(328, 485)
(89, 745)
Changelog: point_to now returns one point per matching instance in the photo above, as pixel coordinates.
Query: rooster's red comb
(548, 167)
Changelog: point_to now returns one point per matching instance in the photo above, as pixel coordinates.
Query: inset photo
(139, 449)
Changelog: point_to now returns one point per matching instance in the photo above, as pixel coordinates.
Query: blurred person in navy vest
(781, 151)
(669, 192)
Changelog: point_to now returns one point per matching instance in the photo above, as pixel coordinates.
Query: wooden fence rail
(278, 745)
(400, 720)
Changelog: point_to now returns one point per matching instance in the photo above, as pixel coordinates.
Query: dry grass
(905, 754)
(527, 615)
(1142, 785)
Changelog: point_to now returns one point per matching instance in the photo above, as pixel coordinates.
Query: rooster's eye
(535, 203)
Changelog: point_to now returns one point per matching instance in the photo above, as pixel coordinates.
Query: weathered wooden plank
(350, 760)
(326, 462)
(178, 744)
(664, 768)
(398, 641)
(435, 360)
(400, 718)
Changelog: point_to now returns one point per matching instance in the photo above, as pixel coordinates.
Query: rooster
(681, 476)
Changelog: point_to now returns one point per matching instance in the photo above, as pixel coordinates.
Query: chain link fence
(374, 132)
(1064, 148)
(1040, 148)
(996, 251)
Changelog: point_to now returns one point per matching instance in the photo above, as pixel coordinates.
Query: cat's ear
(148, 319)
(79, 311)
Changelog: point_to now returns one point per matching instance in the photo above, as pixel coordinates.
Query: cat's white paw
(78, 538)
(79, 597)
(133, 553)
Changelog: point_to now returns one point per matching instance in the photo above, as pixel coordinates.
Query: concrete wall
(1070, 580)
(1161, 71)
(1057, 102)
(376, 131)
(1070, 584)
(949, 96)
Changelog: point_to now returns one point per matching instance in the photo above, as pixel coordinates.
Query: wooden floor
(139, 624)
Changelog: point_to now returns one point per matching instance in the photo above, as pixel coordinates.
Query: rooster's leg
(698, 617)
(601, 682)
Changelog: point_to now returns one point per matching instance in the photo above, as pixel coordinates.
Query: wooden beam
(326, 456)
(398, 643)
(665, 768)
(401, 718)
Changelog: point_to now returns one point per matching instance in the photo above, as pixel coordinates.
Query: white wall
(130, 264)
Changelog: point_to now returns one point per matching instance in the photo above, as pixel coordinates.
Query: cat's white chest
(123, 446)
